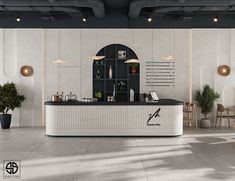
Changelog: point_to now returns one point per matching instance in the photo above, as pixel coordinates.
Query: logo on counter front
(151, 116)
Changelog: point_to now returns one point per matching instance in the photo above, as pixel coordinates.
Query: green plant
(9, 98)
(205, 99)
(133, 65)
(98, 95)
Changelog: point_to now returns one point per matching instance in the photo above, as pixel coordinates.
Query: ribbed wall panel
(112, 117)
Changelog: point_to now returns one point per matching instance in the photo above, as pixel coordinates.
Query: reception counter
(162, 118)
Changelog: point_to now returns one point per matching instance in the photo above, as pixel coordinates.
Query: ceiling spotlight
(149, 19)
(18, 19)
(215, 19)
(84, 19)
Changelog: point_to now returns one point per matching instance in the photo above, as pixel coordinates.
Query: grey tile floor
(196, 156)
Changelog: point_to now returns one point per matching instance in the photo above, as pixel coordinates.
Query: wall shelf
(121, 73)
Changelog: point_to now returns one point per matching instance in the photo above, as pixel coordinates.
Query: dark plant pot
(5, 120)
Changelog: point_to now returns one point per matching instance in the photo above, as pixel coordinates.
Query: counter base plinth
(112, 132)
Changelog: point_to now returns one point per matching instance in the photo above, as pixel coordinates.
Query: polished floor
(195, 156)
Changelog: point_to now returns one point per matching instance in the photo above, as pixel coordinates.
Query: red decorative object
(133, 70)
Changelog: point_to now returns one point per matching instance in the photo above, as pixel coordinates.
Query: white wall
(38, 48)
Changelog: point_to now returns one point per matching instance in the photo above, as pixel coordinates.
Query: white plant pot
(205, 123)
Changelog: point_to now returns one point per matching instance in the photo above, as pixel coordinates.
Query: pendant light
(97, 57)
(59, 61)
(168, 57)
(132, 60)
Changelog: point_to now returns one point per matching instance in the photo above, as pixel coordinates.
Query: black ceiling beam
(97, 6)
(137, 5)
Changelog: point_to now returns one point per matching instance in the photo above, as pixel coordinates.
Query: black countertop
(163, 102)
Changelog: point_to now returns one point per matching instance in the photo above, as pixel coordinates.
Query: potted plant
(9, 100)
(205, 100)
(98, 95)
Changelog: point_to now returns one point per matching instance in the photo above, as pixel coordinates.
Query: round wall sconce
(26, 71)
(224, 70)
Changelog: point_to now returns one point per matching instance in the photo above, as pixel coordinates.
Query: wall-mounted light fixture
(26, 71)
(224, 70)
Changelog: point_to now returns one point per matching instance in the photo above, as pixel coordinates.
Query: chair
(190, 116)
(223, 113)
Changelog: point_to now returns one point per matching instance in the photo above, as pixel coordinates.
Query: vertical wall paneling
(50, 55)
(223, 45)
(10, 52)
(70, 47)
(182, 65)
(43, 77)
(29, 53)
(143, 49)
(88, 47)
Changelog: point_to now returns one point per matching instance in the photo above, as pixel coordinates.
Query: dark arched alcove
(124, 76)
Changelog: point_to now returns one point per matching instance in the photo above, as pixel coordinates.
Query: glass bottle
(110, 72)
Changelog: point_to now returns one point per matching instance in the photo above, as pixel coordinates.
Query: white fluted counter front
(164, 118)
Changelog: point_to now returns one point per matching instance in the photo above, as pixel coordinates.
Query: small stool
(190, 117)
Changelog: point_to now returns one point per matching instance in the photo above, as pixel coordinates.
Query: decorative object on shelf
(121, 85)
(110, 72)
(97, 76)
(132, 61)
(57, 97)
(223, 70)
(205, 100)
(110, 99)
(9, 100)
(26, 70)
(98, 95)
(89, 100)
(134, 68)
(71, 97)
(122, 54)
(114, 91)
(132, 95)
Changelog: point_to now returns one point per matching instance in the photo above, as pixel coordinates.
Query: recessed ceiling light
(149, 19)
(215, 19)
(18, 19)
(84, 19)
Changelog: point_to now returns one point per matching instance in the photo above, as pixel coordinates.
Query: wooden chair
(223, 113)
(190, 116)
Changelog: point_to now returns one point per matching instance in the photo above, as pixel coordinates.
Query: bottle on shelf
(97, 76)
(132, 95)
(110, 72)
(114, 92)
